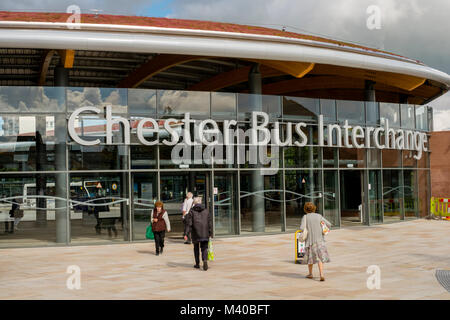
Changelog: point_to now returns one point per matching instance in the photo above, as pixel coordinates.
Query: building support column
(257, 185)
(61, 79)
(370, 96)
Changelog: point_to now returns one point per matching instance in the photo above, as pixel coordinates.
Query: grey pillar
(61, 79)
(41, 179)
(369, 91)
(258, 208)
(311, 163)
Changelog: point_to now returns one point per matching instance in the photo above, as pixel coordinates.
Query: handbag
(210, 251)
(149, 232)
(304, 235)
(325, 229)
(18, 213)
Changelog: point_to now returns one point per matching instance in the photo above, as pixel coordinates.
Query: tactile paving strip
(443, 276)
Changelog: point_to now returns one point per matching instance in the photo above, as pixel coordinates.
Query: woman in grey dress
(315, 249)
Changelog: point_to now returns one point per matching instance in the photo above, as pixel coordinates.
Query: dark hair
(309, 207)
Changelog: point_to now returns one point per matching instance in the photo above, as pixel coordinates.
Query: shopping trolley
(299, 247)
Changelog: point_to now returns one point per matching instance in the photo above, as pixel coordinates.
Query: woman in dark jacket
(160, 223)
(199, 223)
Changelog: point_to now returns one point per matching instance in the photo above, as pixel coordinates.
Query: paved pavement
(256, 267)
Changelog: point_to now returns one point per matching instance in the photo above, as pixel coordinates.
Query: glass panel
(351, 200)
(32, 99)
(145, 194)
(261, 202)
(100, 157)
(330, 157)
(36, 196)
(374, 158)
(411, 194)
(375, 197)
(247, 103)
(223, 105)
(142, 102)
(100, 202)
(352, 158)
(424, 194)
(225, 203)
(372, 113)
(143, 157)
(174, 188)
(330, 197)
(29, 143)
(300, 108)
(424, 161)
(392, 194)
(391, 158)
(353, 111)
(328, 110)
(421, 118)
(407, 116)
(301, 186)
(408, 159)
(302, 157)
(97, 97)
(391, 112)
(175, 104)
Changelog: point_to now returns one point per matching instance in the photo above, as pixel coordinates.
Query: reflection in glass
(421, 118)
(300, 108)
(374, 158)
(100, 157)
(372, 113)
(353, 111)
(302, 157)
(223, 105)
(225, 203)
(301, 186)
(408, 159)
(392, 194)
(32, 99)
(375, 197)
(330, 197)
(330, 157)
(35, 195)
(391, 112)
(142, 102)
(411, 194)
(145, 194)
(424, 193)
(261, 202)
(173, 103)
(391, 158)
(143, 157)
(100, 202)
(328, 110)
(97, 97)
(247, 103)
(407, 111)
(352, 158)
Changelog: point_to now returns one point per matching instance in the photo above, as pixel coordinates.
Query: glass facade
(77, 194)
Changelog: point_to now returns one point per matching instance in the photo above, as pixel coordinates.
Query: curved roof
(161, 46)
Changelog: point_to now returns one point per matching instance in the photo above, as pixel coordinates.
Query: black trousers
(185, 231)
(203, 245)
(159, 239)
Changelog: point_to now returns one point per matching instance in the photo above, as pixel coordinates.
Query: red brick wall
(440, 164)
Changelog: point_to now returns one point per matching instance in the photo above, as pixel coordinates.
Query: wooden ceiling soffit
(401, 81)
(312, 83)
(295, 69)
(233, 77)
(154, 66)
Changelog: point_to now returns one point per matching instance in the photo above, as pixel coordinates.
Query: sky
(417, 29)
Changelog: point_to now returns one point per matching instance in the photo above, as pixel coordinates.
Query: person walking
(199, 223)
(315, 249)
(187, 205)
(160, 223)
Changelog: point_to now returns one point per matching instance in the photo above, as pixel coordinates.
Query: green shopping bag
(149, 233)
(210, 251)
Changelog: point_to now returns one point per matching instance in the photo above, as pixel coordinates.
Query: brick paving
(254, 267)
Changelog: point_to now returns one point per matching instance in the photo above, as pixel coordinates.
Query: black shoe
(187, 242)
(205, 265)
(157, 254)
(197, 266)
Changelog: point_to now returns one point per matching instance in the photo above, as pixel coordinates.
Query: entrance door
(173, 190)
(352, 195)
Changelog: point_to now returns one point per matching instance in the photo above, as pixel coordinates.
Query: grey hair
(197, 200)
(189, 195)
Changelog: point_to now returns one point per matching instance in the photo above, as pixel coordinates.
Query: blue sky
(161, 8)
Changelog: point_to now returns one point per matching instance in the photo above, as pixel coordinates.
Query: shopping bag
(210, 251)
(325, 229)
(149, 233)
